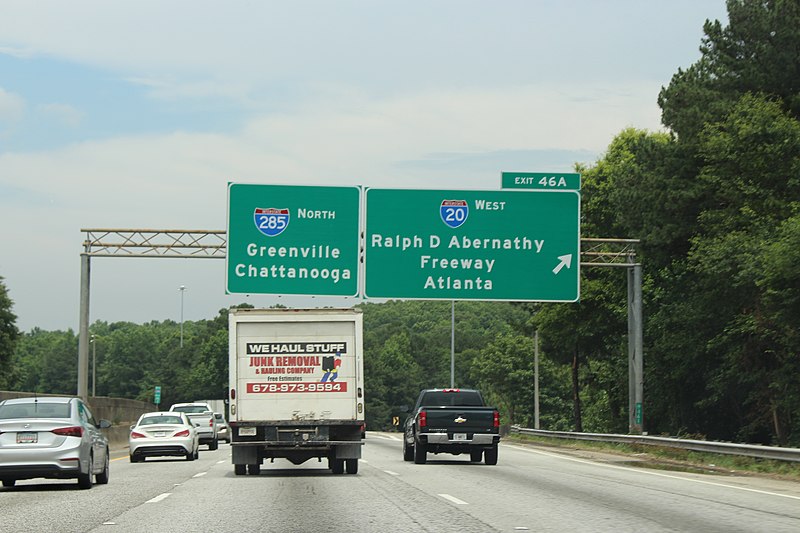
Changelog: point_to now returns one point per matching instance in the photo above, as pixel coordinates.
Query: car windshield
(34, 410)
(191, 409)
(150, 420)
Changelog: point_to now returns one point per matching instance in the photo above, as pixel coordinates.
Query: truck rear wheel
(240, 470)
(254, 469)
(490, 455)
(408, 451)
(352, 466)
(337, 466)
(420, 453)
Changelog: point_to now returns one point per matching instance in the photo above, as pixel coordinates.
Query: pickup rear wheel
(213, 445)
(475, 455)
(420, 453)
(408, 451)
(490, 455)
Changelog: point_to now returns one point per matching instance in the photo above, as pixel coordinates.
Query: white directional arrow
(566, 261)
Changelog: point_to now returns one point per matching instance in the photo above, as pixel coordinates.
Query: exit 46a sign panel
(473, 245)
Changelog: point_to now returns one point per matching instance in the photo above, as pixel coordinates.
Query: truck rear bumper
(480, 439)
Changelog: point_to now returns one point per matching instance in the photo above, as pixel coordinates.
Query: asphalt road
(531, 489)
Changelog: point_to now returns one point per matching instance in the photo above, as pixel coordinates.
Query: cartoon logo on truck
(330, 365)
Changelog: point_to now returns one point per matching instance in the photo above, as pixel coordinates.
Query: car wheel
(189, 455)
(408, 451)
(197, 452)
(240, 470)
(9, 482)
(420, 453)
(475, 455)
(351, 465)
(254, 469)
(85, 480)
(490, 455)
(102, 477)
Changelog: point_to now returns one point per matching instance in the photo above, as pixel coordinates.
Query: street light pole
(182, 288)
(94, 365)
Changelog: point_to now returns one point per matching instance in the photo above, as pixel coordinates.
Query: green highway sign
(472, 245)
(157, 395)
(287, 239)
(542, 180)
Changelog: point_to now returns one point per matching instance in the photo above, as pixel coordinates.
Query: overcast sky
(138, 114)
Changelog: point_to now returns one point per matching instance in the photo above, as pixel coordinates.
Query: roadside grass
(662, 457)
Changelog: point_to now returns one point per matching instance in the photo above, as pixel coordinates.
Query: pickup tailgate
(459, 419)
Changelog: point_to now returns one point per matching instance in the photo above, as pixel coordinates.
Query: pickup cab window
(460, 398)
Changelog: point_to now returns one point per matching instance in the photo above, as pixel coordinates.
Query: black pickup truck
(452, 421)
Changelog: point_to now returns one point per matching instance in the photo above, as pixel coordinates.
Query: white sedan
(163, 433)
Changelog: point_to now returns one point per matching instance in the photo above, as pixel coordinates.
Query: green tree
(8, 334)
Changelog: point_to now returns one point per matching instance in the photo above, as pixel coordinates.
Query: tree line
(715, 202)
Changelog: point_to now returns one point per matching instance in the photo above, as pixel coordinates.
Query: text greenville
(318, 251)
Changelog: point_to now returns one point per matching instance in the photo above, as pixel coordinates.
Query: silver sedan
(163, 433)
(51, 437)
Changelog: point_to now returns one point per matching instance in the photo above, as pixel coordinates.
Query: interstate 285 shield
(454, 212)
(271, 221)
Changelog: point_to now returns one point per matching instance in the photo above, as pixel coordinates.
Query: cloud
(63, 114)
(12, 109)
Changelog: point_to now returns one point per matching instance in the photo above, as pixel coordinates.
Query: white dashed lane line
(453, 499)
(159, 497)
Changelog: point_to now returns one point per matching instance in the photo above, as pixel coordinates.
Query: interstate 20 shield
(454, 212)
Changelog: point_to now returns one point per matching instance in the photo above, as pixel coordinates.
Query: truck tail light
(423, 419)
(233, 394)
(496, 420)
(72, 431)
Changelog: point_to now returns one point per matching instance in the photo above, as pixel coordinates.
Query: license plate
(160, 433)
(27, 437)
(247, 432)
(459, 436)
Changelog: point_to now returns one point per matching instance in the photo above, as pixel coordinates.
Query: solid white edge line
(159, 497)
(658, 474)
(453, 499)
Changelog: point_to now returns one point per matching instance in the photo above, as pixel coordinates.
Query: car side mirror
(104, 423)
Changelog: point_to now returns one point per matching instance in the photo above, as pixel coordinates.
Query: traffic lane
(531, 488)
(58, 505)
(294, 498)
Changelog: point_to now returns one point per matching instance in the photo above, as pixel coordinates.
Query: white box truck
(296, 387)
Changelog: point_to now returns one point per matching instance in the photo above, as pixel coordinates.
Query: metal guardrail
(727, 448)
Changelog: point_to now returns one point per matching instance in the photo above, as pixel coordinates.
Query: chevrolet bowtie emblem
(460, 420)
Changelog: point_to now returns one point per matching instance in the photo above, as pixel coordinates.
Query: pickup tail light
(184, 433)
(496, 420)
(423, 419)
(137, 435)
(72, 431)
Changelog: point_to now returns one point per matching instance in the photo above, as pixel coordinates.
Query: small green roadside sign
(472, 245)
(287, 239)
(552, 181)
(157, 395)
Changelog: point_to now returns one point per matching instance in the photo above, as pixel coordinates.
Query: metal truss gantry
(212, 244)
